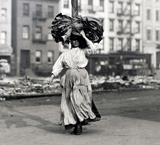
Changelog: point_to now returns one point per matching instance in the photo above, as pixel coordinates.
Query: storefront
(119, 63)
(5, 58)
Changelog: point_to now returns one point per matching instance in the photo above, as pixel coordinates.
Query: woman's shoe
(78, 129)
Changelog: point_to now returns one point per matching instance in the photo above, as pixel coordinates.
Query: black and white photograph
(79, 72)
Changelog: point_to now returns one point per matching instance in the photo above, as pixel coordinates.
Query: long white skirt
(76, 102)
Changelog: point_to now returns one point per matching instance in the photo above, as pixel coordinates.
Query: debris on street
(36, 87)
(27, 86)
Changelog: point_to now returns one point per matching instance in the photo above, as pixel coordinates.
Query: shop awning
(5, 50)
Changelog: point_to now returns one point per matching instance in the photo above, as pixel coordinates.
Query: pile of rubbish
(117, 83)
(27, 86)
(39, 87)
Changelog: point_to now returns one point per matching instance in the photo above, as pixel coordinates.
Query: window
(38, 34)
(111, 43)
(49, 34)
(101, 3)
(3, 38)
(39, 10)
(157, 15)
(148, 14)
(120, 44)
(127, 29)
(90, 2)
(3, 15)
(128, 8)
(90, 6)
(120, 25)
(128, 44)
(111, 7)
(137, 27)
(137, 9)
(50, 57)
(25, 32)
(157, 35)
(79, 5)
(148, 34)
(38, 56)
(50, 11)
(25, 9)
(111, 25)
(137, 44)
(66, 3)
(120, 8)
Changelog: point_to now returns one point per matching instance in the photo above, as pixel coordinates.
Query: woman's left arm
(91, 47)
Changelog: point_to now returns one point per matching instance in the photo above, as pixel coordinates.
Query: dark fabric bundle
(60, 26)
(93, 29)
(65, 28)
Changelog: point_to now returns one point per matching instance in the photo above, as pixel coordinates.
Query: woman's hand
(48, 83)
(51, 79)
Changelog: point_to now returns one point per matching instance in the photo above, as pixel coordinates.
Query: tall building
(122, 21)
(151, 30)
(130, 26)
(5, 30)
(125, 25)
(33, 47)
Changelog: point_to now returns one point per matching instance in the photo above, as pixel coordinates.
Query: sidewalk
(35, 125)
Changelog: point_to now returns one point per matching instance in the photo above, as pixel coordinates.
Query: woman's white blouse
(72, 58)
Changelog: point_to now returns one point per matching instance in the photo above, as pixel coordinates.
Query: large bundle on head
(65, 29)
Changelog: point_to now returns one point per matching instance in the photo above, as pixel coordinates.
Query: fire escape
(127, 30)
(39, 18)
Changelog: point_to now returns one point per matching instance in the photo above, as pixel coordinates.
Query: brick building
(5, 30)
(33, 47)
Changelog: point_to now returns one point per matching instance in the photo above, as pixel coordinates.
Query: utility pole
(74, 8)
(131, 24)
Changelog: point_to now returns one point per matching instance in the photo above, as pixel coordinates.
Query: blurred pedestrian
(77, 106)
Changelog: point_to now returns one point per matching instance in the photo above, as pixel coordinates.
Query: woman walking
(77, 106)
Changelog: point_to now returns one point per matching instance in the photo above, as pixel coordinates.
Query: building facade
(151, 30)
(123, 22)
(129, 26)
(5, 30)
(33, 47)
(125, 25)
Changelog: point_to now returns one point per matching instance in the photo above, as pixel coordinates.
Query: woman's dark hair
(80, 40)
(74, 43)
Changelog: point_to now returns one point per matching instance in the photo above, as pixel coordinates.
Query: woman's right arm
(57, 68)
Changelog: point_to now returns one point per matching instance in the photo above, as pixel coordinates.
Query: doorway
(25, 61)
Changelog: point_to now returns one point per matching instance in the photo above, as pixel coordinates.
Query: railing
(98, 8)
(39, 38)
(135, 13)
(136, 30)
(120, 30)
(119, 47)
(120, 12)
(40, 16)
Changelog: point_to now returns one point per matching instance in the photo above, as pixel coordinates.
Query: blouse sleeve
(58, 66)
(91, 49)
